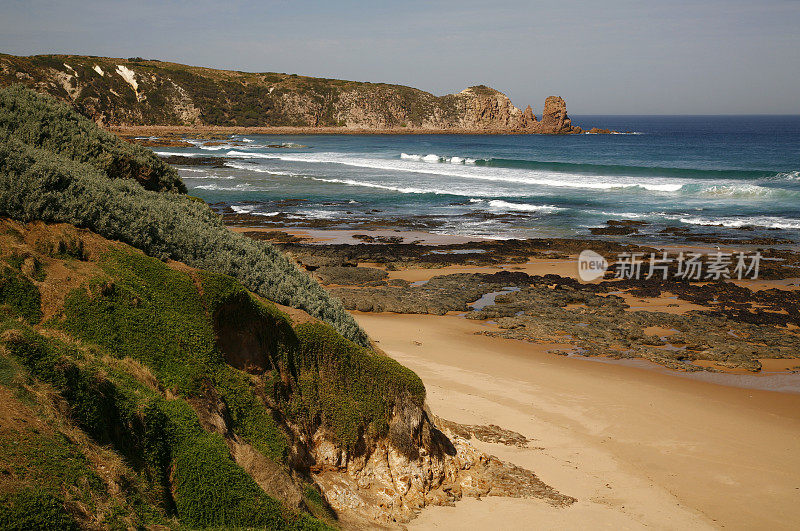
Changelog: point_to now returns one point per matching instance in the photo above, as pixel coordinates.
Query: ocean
(732, 176)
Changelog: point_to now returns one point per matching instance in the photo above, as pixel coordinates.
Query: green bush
(43, 122)
(189, 469)
(157, 315)
(34, 508)
(149, 312)
(351, 388)
(18, 292)
(36, 184)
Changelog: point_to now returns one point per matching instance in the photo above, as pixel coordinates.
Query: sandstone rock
(528, 118)
(389, 486)
(554, 117)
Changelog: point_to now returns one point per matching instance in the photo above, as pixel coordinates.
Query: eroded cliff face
(386, 481)
(129, 92)
(391, 480)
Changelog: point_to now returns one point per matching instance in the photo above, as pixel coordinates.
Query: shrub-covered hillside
(57, 166)
(39, 122)
(137, 391)
(166, 374)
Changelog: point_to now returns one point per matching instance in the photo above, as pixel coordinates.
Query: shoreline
(630, 443)
(530, 292)
(188, 130)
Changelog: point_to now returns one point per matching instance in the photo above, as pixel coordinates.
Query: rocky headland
(125, 93)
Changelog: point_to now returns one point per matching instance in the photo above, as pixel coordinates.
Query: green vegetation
(159, 316)
(161, 438)
(36, 184)
(146, 361)
(149, 312)
(43, 123)
(45, 469)
(18, 292)
(34, 508)
(167, 92)
(352, 389)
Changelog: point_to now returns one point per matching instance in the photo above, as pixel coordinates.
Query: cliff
(138, 92)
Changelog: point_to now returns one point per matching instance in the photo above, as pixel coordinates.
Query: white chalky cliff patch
(130, 77)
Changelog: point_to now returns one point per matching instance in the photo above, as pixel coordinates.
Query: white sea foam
(737, 190)
(177, 154)
(770, 222)
(433, 159)
(250, 209)
(401, 189)
(215, 148)
(242, 187)
(628, 215)
(789, 175)
(523, 207)
(258, 169)
(530, 177)
(205, 176)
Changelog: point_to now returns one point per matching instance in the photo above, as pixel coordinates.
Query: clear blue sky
(603, 57)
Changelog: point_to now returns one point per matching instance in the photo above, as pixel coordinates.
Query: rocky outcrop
(389, 485)
(138, 92)
(555, 119)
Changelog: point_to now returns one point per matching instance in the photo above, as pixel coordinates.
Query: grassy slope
(126, 305)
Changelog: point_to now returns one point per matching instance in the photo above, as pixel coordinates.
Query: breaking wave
(769, 222)
(563, 180)
(523, 207)
(432, 158)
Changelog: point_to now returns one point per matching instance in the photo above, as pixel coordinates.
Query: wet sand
(637, 447)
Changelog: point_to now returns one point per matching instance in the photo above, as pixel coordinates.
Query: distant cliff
(134, 92)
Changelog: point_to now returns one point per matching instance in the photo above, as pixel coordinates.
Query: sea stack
(554, 118)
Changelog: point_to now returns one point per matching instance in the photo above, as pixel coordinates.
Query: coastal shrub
(210, 490)
(192, 469)
(250, 418)
(18, 292)
(43, 122)
(157, 315)
(168, 319)
(34, 508)
(351, 388)
(38, 185)
(149, 312)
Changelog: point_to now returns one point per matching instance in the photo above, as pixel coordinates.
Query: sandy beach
(638, 448)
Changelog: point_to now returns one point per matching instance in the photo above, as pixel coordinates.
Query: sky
(603, 57)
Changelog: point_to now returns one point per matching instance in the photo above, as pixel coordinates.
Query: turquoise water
(738, 176)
